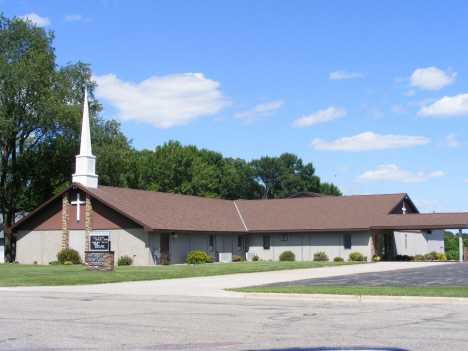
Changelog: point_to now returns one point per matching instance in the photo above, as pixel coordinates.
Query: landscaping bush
(69, 255)
(165, 258)
(68, 263)
(212, 259)
(338, 259)
(125, 261)
(287, 256)
(453, 255)
(255, 258)
(356, 256)
(321, 256)
(236, 258)
(197, 257)
(442, 257)
(54, 263)
(419, 258)
(403, 258)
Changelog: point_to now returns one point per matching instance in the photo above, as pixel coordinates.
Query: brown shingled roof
(156, 211)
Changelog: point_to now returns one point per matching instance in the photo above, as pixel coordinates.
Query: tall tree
(40, 116)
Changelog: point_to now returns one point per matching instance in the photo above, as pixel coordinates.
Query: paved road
(442, 275)
(45, 321)
(196, 314)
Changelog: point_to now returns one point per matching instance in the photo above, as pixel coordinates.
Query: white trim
(241, 217)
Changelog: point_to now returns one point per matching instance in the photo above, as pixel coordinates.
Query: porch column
(460, 244)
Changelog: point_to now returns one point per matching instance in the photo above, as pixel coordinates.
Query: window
(266, 242)
(347, 241)
(239, 243)
(211, 242)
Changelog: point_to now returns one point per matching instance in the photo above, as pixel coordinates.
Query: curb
(360, 298)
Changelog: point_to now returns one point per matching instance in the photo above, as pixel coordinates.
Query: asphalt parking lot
(441, 275)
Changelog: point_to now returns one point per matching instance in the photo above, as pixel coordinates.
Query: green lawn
(35, 275)
(364, 290)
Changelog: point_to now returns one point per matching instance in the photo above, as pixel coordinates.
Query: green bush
(54, 263)
(453, 255)
(321, 256)
(255, 258)
(236, 258)
(419, 258)
(442, 257)
(197, 257)
(338, 259)
(125, 261)
(212, 259)
(356, 256)
(68, 263)
(287, 256)
(69, 255)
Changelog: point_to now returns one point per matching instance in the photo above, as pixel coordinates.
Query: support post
(460, 244)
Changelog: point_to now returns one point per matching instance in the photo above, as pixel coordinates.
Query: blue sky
(373, 93)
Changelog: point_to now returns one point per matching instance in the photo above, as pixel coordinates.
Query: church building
(143, 224)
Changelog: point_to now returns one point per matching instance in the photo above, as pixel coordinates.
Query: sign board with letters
(99, 241)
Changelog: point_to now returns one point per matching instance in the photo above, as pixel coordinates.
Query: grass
(364, 290)
(39, 275)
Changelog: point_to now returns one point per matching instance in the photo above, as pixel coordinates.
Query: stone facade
(65, 221)
(99, 261)
(89, 220)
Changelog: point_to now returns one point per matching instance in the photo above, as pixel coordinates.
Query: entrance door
(165, 242)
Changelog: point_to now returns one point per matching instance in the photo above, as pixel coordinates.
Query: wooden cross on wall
(78, 203)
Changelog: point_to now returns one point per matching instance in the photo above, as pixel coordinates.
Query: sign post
(99, 256)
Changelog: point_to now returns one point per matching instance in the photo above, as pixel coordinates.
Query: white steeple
(85, 162)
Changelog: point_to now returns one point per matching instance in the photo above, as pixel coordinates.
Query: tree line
(40, 123)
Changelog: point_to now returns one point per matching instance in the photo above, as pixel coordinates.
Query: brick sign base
(99, 261)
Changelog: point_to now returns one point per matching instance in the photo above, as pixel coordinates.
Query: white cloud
(36, 19)
(72, 18)
(172, 100)
(449, 142)
(391, 173)
(421, 103)
(259, 111)
(369, 141)
(399, 110)
(341, 168)
(446, 107)
(431, 78)
(320, 116)
(410, 92)
(465, 181)
(346, 75)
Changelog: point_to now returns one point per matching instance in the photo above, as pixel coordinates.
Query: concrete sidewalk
(214, 286)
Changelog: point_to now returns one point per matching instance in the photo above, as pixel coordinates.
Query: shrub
(419, 258)
(287, 256)
(402, 258)
(197, 257)
(320, 256)
(165, 258)
(442, 257)
(338, 259)
(212, 259)
(356, 256)
(69, 255)
(453, 255)
(68, 263)
(54, 263)
(236, 258)
(125, 261)
(255, 258)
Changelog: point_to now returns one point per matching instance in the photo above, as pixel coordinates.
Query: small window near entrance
(347, 241)
(239, 243)
(266, 242)
(211, 243)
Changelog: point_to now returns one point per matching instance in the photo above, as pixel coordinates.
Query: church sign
(99, 241)
(99, 257)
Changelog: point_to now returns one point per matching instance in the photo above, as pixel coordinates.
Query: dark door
(164, 242)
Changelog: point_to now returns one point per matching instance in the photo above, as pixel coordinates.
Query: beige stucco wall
(305, 245)
(131, 242)
(41, 246)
